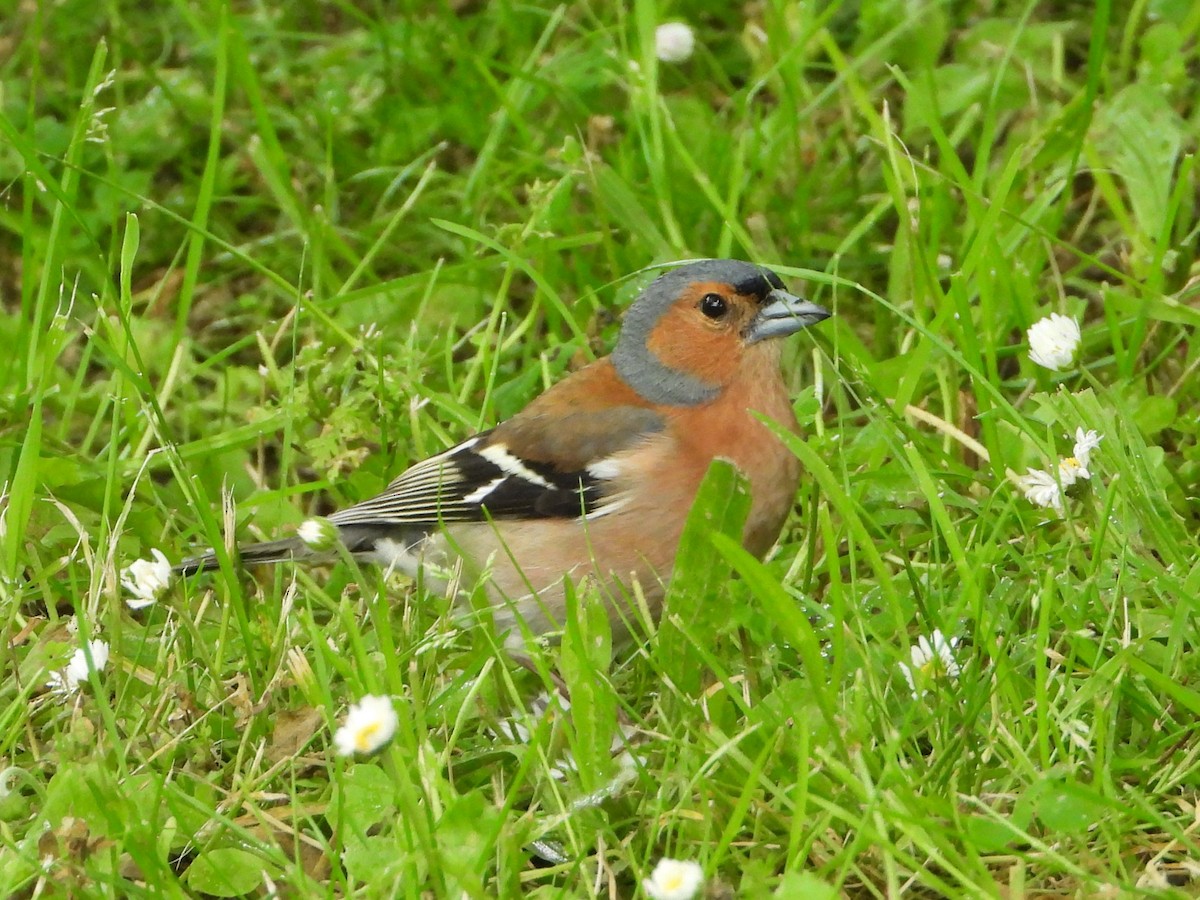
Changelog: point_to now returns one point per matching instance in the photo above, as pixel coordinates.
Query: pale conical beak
(783, 314)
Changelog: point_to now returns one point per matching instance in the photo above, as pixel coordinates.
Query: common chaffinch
(595, 478)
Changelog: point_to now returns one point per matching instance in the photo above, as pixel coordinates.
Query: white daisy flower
(1041, 489)
(146, 579)
(1085, 443)
(1053, 341)
(1072, 469)
(1045, 489)
(318, 533)
(67, 681)
(369, 725)
(1076, 467)
(674, 879)
(931, 657)
(674, 42)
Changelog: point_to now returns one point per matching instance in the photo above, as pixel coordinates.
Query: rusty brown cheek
(682, 341)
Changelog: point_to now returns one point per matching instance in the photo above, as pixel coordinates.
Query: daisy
(1072, 469)
(1085, 443)
(1075, 467)
(146, 579)
(1041, 489)
(674, 42)
(369, 725)
(674, 879)
(67, 681)
(931, 657)
(318, 533)
(1053, 341)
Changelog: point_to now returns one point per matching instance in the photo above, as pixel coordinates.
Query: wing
(531, 467)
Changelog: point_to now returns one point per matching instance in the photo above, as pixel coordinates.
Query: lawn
(255, 259)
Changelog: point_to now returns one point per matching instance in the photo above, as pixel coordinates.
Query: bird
(594, 479)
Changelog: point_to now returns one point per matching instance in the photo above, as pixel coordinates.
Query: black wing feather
(463, 485)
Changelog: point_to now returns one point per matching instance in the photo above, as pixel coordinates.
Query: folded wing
(528, 468)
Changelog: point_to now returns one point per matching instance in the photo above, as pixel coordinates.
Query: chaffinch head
(595, 478)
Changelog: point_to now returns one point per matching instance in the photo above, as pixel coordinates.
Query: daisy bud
(1053, 341)
(145, 579)
(674, 42)
(318, 533)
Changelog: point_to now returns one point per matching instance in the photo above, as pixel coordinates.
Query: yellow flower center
(931, 668)
(362, 740)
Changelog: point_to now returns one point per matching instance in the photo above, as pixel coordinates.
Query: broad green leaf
(225, 872)
(1140, 137)
(372, 859)
(367, 793)
(1154, 413)
(1066, 808)
(464, 833)
(804, 886)
(987, 834)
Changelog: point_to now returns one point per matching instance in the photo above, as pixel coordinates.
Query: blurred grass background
(256, 258)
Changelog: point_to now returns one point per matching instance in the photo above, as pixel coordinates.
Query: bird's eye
(713, 306)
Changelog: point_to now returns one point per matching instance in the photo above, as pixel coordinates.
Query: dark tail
(251, 554)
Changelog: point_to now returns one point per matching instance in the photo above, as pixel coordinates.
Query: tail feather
(360, 540)
(251, 554)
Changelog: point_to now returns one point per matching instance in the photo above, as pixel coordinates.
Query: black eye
(713, 306)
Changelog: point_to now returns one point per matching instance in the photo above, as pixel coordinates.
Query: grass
(256, 260)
